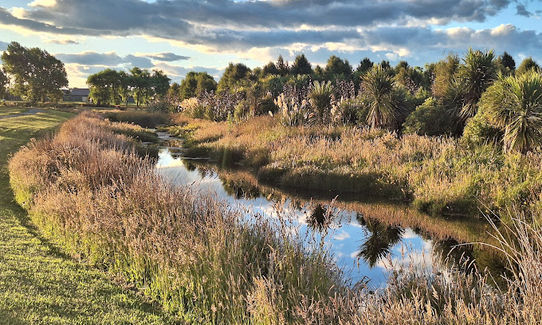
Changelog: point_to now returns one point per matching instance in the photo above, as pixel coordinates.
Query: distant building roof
(79, 92)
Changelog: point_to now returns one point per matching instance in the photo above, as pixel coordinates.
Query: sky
(177, 36)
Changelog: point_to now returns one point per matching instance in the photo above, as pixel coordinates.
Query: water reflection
(360, 243)
(320, 218)
(380, 241)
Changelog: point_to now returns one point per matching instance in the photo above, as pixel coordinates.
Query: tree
(140, 82)
(410, 78)
(380, 97)
(37, 75)
(124, 89)
(507, 63)
(270, 69)
(4, 82)
(232, 77)
(385, 65)
(477, 72)
(514, 105)
(105, 87)
(337, 68)
(282, 67)
(195, 84)
(301, 66)
(527, 65)
(318, 73)
(443, 76)
(430, 118)
(159, 83)
(364, 66)
(206, 83)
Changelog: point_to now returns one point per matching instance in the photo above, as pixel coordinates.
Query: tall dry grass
(89, 191)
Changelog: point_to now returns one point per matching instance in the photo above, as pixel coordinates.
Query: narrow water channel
(365, 248)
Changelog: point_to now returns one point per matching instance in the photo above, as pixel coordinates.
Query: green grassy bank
(39, 284)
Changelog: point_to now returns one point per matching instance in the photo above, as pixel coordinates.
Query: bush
(430, 119)
(479, 131)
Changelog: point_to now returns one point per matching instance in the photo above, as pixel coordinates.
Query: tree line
(481, 97)
(111, 87)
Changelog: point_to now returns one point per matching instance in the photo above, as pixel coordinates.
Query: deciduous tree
(37, 75)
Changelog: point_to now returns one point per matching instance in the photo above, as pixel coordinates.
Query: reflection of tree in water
(189, 165)
(320, 218)
(379, 243)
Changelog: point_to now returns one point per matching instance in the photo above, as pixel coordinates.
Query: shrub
(292, 112)
(430, 118)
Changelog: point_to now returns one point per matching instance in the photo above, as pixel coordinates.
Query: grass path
(38, 285)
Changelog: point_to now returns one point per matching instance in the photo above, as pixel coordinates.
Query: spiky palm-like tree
(514, 104)
(379, 93)
(476, 74)
(320, 99)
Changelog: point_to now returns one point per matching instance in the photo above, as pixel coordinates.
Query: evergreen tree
(301, 66)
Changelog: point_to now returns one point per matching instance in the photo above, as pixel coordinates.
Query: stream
(365, 248)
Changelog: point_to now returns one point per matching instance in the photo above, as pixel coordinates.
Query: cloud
(129, 14)
(166, 57)
(80, 65)
(111, 59)
(177, 72)
(241, 24)
(3, 46)
(522, 11)
(63, 42)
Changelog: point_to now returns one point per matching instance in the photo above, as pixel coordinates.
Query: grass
(440, 176)
(38, 283)
(89, 192)
(10, 110)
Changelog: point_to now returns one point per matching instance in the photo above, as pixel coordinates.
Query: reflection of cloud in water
(342, 236)
(407, 257)
(409, 233)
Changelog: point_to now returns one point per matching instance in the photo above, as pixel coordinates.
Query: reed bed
(88, 190)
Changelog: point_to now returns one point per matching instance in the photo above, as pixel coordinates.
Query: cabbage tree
(514, 104)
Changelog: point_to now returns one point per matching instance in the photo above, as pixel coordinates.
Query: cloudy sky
(178, 36)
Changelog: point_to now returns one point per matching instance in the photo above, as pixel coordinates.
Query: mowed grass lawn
(38, 285)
